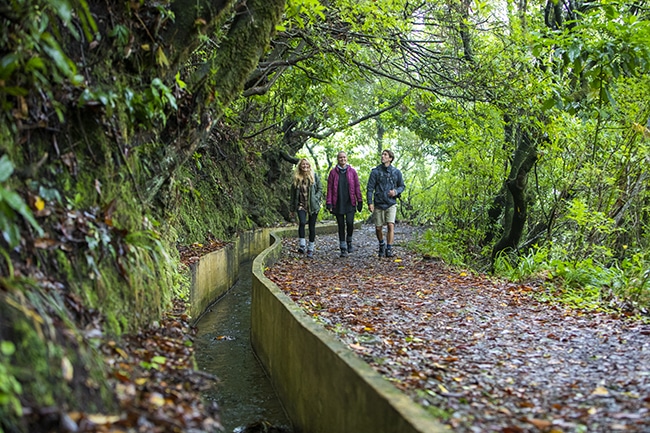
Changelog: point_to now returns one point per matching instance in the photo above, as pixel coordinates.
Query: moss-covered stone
(54, 364)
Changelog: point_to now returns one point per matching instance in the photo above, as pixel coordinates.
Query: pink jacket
(333, 187)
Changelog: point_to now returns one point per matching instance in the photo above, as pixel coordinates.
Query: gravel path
(482, 355)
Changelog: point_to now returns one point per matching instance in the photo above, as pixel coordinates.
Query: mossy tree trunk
(512, 196)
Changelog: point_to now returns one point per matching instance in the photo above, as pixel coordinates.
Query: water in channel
(244, 393)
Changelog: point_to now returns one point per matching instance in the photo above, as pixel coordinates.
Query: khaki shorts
(385, 216)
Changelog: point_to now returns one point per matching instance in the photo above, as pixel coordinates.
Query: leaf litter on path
(480, 354)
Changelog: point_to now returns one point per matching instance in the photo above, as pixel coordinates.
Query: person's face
(342, 159)
(304, 166)
(385, 158)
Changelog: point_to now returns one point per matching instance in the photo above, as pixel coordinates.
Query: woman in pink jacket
(343, 199)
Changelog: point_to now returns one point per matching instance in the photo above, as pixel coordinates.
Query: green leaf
(608, 96)
(6, 168)
(577, 66)
(52, 48)
(159, 359)
(7, 348)
(15, 91)
(180, 82)
(574, 51)
(35, 63)
(8, 64)
(77, 80)
(121, 33)
(17, 204)
(8, 227)
(63, 10)
(87, 20)
(548, 104)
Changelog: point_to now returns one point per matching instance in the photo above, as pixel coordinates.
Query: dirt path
(482, 355)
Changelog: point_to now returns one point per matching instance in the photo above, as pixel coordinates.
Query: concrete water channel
(243, 393)
(324, 387)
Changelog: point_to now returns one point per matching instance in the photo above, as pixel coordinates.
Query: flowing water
(244, 393)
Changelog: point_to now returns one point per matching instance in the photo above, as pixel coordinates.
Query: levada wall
(323, 385)
(218, 271)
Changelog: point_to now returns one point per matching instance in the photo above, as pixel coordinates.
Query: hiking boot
(382, 250)
(389, 252)
(344, 252)
(350, 247)
(310, 254)
(301, 249)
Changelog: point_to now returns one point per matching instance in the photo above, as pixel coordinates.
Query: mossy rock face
(54, 364)
(227, 193)
(112, 265)
(110, 178)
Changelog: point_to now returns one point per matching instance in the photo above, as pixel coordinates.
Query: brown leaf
(540, 423)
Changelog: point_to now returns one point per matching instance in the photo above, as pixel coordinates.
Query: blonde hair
(298, 175)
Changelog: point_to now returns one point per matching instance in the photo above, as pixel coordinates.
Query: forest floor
(482, 355)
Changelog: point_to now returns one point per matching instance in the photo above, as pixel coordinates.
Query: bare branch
(352, 123)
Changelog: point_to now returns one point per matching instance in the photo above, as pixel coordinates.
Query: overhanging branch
(324, 135)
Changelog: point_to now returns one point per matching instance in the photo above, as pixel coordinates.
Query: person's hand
(329, 208)
(371, 207)
(391, 193)
(359, 206)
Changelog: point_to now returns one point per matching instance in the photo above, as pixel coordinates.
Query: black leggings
(345, 221)
(302, 220)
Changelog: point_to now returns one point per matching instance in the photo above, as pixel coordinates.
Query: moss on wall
(52, 361)
(109, 251)
(86, 147)
(223, 191)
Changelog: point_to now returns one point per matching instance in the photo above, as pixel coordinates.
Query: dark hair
(390, 153)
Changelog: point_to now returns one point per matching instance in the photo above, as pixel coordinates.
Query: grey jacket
(382, 179)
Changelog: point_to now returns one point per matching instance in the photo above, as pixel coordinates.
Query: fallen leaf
(600, 391)
(540, 423)
(100, 419)
(67, 369)
(156, 399)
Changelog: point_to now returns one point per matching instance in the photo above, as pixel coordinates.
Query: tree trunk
(494, 214)
(515, 211)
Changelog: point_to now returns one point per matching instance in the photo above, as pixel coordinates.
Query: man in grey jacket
(385, 184)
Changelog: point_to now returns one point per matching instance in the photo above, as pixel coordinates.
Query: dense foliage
(522, 130)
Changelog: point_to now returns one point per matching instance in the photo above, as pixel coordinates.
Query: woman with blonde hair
(306, 192)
